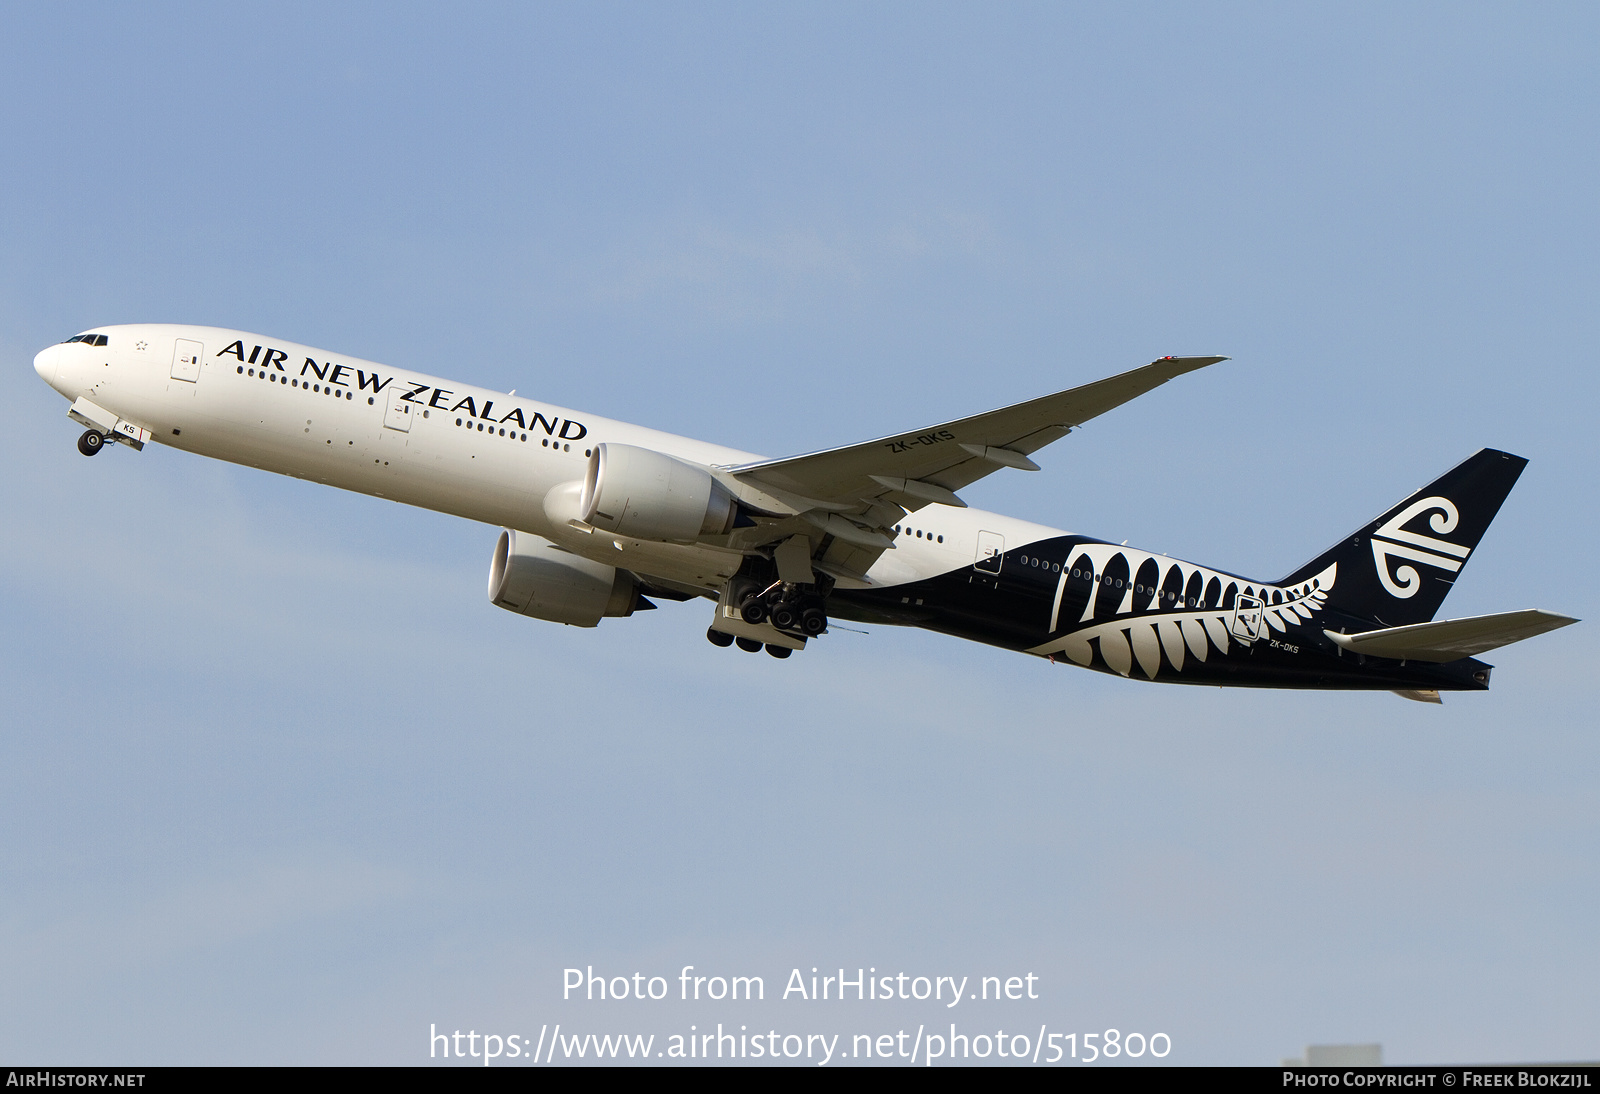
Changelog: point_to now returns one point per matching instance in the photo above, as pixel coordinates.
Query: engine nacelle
(532, 576)
(642, 494)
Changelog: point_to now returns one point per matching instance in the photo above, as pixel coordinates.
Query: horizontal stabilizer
(1451, 639)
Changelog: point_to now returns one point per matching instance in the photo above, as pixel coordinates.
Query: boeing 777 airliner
(598, 516)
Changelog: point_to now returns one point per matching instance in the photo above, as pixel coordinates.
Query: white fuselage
(422, 440)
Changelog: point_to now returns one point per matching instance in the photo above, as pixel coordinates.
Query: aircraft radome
(601, 516)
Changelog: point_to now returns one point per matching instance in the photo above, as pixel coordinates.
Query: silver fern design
(1145, 609)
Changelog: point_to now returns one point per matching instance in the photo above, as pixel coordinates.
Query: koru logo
(1398, 543)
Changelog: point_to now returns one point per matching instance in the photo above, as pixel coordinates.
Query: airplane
(598, 517)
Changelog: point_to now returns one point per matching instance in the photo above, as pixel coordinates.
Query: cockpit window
(88, 339)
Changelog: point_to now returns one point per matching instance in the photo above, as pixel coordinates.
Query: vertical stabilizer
(1398, 569)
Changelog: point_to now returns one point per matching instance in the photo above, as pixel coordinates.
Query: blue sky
(279, 785)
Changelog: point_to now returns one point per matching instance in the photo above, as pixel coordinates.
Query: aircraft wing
(954, 454)
(855, 493)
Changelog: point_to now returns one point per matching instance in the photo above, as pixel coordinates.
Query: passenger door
(1247, 621)
(991, 552)
(186, 360)
(398, 413)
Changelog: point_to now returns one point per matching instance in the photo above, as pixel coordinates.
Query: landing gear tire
(91, 442)
(749, 645)
(753, 611)
(785, 617)
(780, 652)
(813, 622)
(719, 638)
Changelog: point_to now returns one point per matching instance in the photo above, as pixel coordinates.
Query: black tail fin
(1398, 569)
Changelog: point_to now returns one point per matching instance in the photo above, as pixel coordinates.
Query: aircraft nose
(44, 363)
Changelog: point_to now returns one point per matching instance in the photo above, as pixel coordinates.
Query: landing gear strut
(91, 442)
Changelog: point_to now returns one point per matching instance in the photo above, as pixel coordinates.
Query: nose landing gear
(91, 442)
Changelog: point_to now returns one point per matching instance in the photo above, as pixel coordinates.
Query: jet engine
(643, 494)
(532, 576)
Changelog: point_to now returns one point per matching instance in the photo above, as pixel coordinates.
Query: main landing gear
(749, 645)
(772, 614)
(786, 608)
(91, 442)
